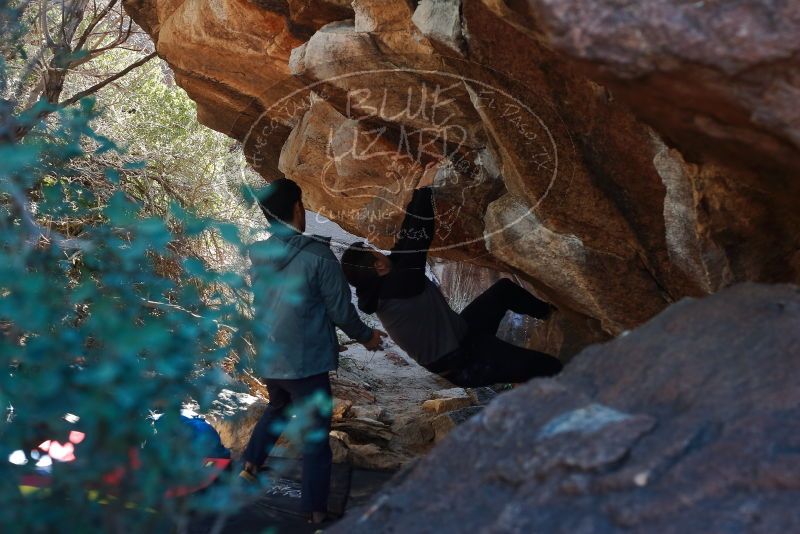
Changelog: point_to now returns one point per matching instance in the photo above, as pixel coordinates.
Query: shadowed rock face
(676, 177)
(686, 424)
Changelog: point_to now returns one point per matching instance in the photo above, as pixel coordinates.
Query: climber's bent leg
(483, 315)
(486, 360)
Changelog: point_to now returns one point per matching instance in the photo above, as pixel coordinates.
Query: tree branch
(22, 129)
(48, 39)
(95, 20)
(96, 87)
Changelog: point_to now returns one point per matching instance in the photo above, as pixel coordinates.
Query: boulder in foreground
(686, 424)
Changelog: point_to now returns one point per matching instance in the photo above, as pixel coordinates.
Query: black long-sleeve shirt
(408, 256)
(411, 308)
(416, 233)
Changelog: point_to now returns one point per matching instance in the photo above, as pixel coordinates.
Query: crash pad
(278, 506)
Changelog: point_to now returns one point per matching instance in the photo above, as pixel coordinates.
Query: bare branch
(96, 87)
(154, 305)
(36, 230)
(43, 22)
(23, 130)
(36, 60)
(93, 23)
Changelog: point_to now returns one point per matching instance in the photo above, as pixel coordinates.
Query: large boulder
(686, 424)
(617, 156)
(234, 415)
(718, 78)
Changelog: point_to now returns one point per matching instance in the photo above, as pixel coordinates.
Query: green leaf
(15, 159)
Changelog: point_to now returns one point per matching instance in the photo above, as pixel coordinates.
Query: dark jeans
(483, 358)
(310, 398)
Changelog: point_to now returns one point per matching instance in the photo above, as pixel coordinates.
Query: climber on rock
(462, 348)
(300, 295)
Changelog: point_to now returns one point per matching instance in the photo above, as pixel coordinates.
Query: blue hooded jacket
(299, 294)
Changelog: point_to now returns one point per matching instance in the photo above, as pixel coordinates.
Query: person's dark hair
(278, 200)
(358, 264)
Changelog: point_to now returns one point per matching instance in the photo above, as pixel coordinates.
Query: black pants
(310, 398)
(483, 358)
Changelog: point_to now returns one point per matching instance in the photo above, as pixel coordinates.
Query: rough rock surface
(445, 423)
(686, 424)
(379, 417)
(233, 416)
(716, 77)
(676, 177)
(443, 404)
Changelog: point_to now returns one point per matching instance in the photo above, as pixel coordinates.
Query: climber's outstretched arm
(416, 234)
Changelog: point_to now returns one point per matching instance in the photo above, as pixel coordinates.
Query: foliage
(46, 44)
(91, 325)
(155, 121)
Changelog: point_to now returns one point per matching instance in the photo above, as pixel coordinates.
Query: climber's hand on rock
(376, 341)
(428, 175)
(342, 348)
